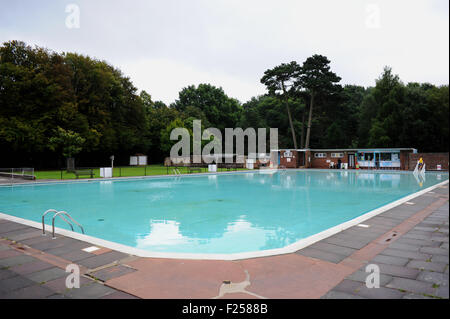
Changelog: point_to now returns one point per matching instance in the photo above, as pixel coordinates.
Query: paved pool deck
(409, 243)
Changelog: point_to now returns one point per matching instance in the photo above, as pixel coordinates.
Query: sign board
(287, 154)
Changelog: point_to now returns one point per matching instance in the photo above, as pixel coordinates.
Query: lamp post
(112, 164)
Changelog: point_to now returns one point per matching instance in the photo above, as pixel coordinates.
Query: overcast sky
(164, 46)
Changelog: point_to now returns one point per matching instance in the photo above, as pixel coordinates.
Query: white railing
(17, 173)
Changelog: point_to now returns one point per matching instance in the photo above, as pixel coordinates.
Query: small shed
(138, 159)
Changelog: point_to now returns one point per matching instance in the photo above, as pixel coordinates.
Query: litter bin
(106, 172)
(249, 163)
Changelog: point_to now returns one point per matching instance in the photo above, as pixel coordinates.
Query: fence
(129, 171)
(17, 174)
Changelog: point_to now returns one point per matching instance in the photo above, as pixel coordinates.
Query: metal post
(145, 170)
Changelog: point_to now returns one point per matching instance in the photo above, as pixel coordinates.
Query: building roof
(393, 149)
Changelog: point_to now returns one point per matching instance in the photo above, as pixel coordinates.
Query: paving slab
(425, 265)
(31, 292)
(416, 296)
(440, 259)
(26, 235)
(22, 233)
(390, 260)
(9, 253)
(6, 273)
(415, 242)
(112, 272)
(31, 267)
(379, 293)
(349, 286)
(59, 285)
(9, 284)
(355, 244)
(332, 248)
(160, 278)
(103, 259)
(442, 292)
(361, 276)
(68, 248)
(121, 295)
(434, 251)
(8, 227)
(57, 296)
(437, 278)
(53, 243)
(76, 255)
(47, 275)
(340, 295)
(16, 260)
(414, 286)
(91, 291)
(323, 255)
(400, 246)
(406, 254)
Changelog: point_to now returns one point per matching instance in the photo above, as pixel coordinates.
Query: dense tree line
(56, 105)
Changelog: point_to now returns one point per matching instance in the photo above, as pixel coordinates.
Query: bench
(230, 167)
(194, 169)
(83, 172)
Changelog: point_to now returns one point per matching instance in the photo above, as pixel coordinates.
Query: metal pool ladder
(60, 214)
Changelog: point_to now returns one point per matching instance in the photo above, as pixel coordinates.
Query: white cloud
(165, 46)
(164, 78)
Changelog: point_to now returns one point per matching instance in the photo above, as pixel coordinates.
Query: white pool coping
(302, 243)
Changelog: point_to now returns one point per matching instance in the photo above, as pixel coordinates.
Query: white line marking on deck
(410, 203)
(363, 225)
(91, 249)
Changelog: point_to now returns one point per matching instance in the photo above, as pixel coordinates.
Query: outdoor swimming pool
(215, 214)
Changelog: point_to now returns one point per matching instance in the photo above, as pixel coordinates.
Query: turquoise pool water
(224, 213)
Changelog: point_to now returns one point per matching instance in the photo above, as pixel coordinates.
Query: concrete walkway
(409, 243)
(413, 267)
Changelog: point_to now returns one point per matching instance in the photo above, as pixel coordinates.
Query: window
(336, 155)
(320, 155)
(368, 156)
(386, 156)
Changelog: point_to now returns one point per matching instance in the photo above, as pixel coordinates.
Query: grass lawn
(118, 172)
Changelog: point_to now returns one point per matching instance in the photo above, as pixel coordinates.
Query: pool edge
(302, 243)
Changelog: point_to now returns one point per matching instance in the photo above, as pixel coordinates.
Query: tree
(279, 81)
(212, 103)
(68, 142)
(316, 78)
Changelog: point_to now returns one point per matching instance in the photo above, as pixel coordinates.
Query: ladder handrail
(422, 171)
(63, 215)
(55, 211)
(67, 215)
(416, 169)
